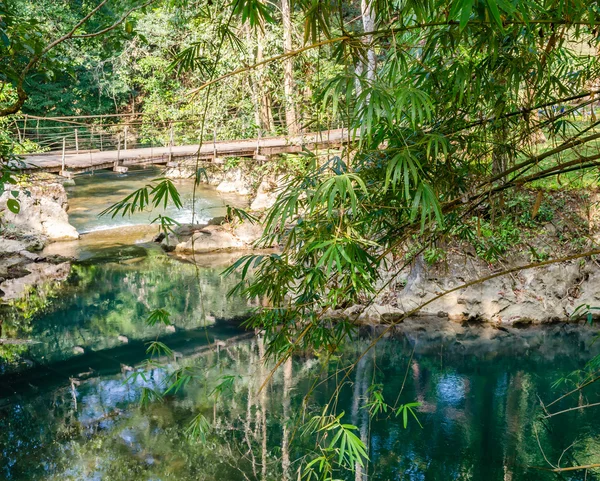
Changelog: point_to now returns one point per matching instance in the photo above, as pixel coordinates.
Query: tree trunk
(260, 97)
(291, 119)
(366, 67)
(368, 19)
(266, 113)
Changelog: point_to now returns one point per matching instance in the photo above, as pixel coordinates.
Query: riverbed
(77, 404)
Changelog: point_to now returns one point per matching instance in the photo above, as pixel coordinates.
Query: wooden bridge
(68, 163)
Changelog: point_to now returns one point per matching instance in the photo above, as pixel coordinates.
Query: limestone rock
(39, 273)
(209, 239)
(234, 187)
(266, 195)
(235, 181)
(213, 237)
(248, 232)
(538, 295)
(43, 211)
(12, 246)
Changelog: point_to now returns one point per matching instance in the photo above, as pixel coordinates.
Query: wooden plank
(52, 161)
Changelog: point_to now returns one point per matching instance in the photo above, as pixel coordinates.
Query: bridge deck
(82, 162)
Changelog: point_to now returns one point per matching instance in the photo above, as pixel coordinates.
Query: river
(71, 403)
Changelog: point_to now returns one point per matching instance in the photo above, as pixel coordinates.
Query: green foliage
(345, 449)
(409, 408)
(433, 255)
(585, 310)
(163, 191)
(198, 428)
(159, 316)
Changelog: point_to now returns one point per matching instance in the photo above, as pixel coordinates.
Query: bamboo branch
(571, 409)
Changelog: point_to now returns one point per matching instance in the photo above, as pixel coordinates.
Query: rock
(43, 211)
(234, 186)
(24, 243)
(534, 295)
(236, 181)
(170, 328)
(220, 219)
(78, 350)
(266, 195)
(213, 237)
(248, 232)
(123, 339)
(210, 238)
(30, 255)
(33, 275)
(379, 314)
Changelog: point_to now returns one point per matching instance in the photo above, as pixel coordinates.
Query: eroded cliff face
(43, 210)
(541, 294)
(538, 295)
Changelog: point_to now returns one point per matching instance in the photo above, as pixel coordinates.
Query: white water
(93, 193)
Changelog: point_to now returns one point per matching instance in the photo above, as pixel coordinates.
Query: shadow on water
(479, 414)
(71, 409)
(106, 300)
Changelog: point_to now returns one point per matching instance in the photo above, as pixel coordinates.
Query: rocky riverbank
(23, 268)
(42, 219)
(245, 180)
(43, 209)
(532, 296)
(539, 295)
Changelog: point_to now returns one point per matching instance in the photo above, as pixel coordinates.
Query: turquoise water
(70, 407)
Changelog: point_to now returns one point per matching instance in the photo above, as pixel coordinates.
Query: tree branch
(21, 94)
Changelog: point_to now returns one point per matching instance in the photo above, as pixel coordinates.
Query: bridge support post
(76, 140)
(63, 171)
(171, 145)
(121, 169)
(257, 155)
(125, 137)
(63, 153)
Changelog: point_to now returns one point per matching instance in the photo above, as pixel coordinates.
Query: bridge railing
(131, 131)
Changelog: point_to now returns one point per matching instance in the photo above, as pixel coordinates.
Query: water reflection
(479, 419)
(105, 301)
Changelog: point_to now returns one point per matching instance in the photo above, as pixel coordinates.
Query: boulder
(214, 237)
(210, 238)
(235, 181)
(248, 232)
(43, 211)
(36, 274)
(266, 195)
